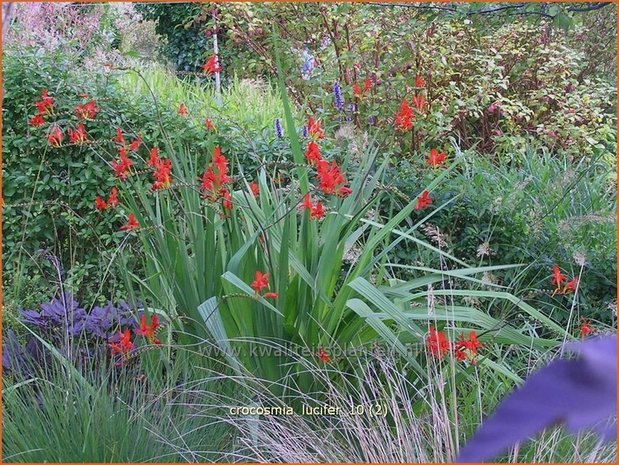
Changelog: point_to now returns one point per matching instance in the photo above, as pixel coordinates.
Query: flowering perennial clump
(358, 91)
(419, 82)
(438, 346)
(112, 201)
(122, 167)
(124, 345)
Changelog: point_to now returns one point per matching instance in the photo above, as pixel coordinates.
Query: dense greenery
(373, 188)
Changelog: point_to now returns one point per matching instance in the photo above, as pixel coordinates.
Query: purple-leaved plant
(76, 333)
(64, 313)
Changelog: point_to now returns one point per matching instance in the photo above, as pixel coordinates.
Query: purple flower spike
(337, 93)
(580, 393)
(279, 130)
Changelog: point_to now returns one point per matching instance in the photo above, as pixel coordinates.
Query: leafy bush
(541, 212)
(53, 212)
(183, 26)
(494, 86)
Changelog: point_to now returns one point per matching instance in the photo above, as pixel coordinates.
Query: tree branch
(597, 6)
(518, 6)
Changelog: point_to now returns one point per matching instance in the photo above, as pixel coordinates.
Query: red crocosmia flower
(419, 102)
(209, 124)
(215, 179)
(437, 343)
(261, 282)
(317, 211)
(162, 175)
(49, 101)
(119, 137)
(87, 111)
(122, 168)
(112, 200)
(356, 90)
(571, 286)
(227, 199)
(254, 188)
(467, 349)
(46, 104)
(436, 158)
(330, 177)
(312, 154)
(367, 84)
(323, 355)
(100, 204)
(208, 180)
(270, 295)
(307, 203)
(148, 330)
(220, 162)
(55, 136)
(557, 278)
(131, 225)
(404, 118)
(212, 65)
(42, 109)
(314, 129)
(585, 328)
(419, 81)
(423, 201)
(124, 344)
(36, 121)
(77, 135)
(154, 159)
(344, 191)
(182, 110)
(135, 144)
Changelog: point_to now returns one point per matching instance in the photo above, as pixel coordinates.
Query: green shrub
(494, 85)
(541, 212)
(49, 193)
